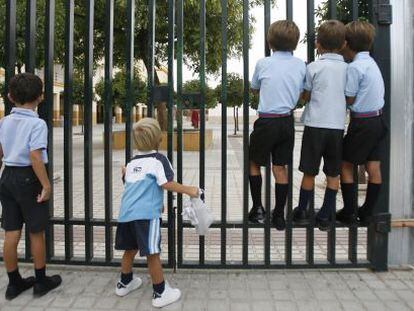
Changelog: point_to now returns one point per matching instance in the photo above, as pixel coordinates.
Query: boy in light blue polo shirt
(364, 142)
(139, 223)
(279, 79)
(324, 119)
(24, 185)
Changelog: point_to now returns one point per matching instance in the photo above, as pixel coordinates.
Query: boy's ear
(11, 98)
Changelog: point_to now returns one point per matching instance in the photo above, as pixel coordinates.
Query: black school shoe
(364, 215)
(300, 216)
(278, 221)
(345, 217)
(257, 215)
(13, 291)
(324, 224)
(46, 285)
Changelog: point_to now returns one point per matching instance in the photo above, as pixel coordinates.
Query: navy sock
(159, 288)
(126, 278)
(373, 191)
(304, 197)
(348, 196)
(329, 203)
(281, 196)
(14, 277)
(40, 274)
(256, 190)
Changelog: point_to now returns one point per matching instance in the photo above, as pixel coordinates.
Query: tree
(119, 91)
(235, 94)
(193, 86)
(344, 10)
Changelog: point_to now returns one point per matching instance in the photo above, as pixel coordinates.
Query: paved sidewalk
(93, 289)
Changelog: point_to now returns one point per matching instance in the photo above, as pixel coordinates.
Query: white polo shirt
(326, 80)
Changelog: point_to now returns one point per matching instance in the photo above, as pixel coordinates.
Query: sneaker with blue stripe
(169, 296)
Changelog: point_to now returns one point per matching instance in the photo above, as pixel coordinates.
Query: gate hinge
(384, 12)
(382, 222)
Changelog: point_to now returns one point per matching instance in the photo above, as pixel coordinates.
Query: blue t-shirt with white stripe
(143, 195)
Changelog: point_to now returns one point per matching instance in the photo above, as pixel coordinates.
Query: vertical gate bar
(311, 57)
(46, 109)
(224, 22)
(130, 100)
(202, 108)
(108, 99)
(171, 210)
(332, 241)
(88, 128)
(332, 9)
(246, 100)
(288, 236)
(379, 227)
(353, 229)
(355, 12)
(180, 24)
(268, 166)
(30, 56)
(67, 133)
(289, 10)
(10, 48)
(30, 45)
(151, 51)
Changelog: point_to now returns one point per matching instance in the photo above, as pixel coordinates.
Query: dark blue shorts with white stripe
(143, 235)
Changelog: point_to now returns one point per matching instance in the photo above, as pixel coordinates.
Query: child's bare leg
(333, 183)
(11, 241)
(347, 173)
(308, 182)
(128, 261)
(254, 169)
(373, 189)
(155, 269)
(38, 248)
(280, 173)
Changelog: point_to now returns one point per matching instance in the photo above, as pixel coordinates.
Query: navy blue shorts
(142, 235)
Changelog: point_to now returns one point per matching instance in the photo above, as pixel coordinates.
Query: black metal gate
(230, 244)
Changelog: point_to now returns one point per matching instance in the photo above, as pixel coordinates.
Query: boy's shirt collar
(24, 112)
(332, 56)
(146, 152)
(362, 55)
(282, 54)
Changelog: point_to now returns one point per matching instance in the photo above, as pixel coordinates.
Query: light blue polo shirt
(143, 196)
(326, 80)
(280, 78)
(21, 132)
(365, 82)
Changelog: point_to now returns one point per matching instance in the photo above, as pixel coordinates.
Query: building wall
(401, 245)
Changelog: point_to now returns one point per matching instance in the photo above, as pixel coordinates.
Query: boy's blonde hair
(360, 36)
(283, 35)
(147, 134)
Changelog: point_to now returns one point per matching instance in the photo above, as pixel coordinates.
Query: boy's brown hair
(147, 134)
(360, 35)
(283, 36)
(331, 35)
(25, 88)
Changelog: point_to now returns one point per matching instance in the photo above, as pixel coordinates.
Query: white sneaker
(169, 296)
(123, 290)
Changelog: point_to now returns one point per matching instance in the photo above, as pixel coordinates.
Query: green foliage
(235, 89)
(344, 11)
(119, 90)
(193, 86)
(191, 32)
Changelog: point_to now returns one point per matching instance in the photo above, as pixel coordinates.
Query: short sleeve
(308, 80)
(353, 78)
(256, 77)
(163, 171)
(38, 137)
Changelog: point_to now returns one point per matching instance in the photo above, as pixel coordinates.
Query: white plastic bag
(198, 214)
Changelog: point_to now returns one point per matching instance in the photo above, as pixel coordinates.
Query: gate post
(378, 230)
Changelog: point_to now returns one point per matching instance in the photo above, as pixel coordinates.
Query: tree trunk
(162, 116)
(235, 120)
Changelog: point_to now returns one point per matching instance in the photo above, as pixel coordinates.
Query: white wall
(401, 181)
